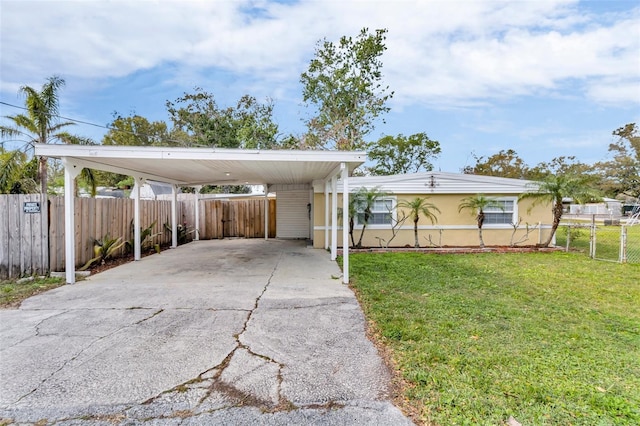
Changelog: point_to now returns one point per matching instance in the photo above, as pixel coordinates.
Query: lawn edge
(398, 384)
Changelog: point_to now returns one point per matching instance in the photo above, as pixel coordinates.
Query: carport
(195, 167)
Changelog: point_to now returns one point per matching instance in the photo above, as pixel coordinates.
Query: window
(500, 216)
(381, 212)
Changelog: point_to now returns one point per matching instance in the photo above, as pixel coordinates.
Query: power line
(99, 125)
(62, 117)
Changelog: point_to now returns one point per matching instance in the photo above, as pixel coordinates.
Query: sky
(545, 78)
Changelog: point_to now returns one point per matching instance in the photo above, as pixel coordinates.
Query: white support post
(326, 214)
(196, 226)
(136, 218)
(539, 232)
(174, 216)
(70, 172)
(345, 223)
(334, 217)
(266, 211)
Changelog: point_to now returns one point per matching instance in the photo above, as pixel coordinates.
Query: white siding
(438, 183)
(292, 214)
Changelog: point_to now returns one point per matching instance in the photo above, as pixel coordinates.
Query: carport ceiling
(201, 166)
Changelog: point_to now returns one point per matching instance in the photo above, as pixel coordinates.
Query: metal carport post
(345, 223)
(71, 170)
(343, 171)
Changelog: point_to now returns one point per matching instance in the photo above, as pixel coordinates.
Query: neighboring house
(609, 207)
(445, 191)
(103, 192)
(155, 191)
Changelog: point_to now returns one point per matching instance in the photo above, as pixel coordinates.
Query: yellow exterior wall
(453, 228)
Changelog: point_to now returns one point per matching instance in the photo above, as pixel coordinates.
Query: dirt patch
(121, 260)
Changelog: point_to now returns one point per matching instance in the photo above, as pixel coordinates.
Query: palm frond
(74, 139)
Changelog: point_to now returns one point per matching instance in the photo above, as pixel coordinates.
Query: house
(152, 190)
(609, 207)
(517, 222)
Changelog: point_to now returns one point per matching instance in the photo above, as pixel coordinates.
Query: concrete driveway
(214, 332)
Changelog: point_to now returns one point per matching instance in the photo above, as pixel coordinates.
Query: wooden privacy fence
(30, 244)
(24, 246)
(96, 218)
(235, 218)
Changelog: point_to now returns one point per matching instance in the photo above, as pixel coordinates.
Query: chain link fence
(614, 243)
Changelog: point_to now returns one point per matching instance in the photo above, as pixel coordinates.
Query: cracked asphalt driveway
(214, 332)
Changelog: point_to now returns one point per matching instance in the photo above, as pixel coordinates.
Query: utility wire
(64, 118)
(181, 143)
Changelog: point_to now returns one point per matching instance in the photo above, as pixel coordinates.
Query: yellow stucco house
(516, 223)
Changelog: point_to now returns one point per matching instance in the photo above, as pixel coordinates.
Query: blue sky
(545, 78)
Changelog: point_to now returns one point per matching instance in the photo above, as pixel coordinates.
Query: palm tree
(553, 188)
(364, 200)
(416, 207)
(477, 204)
(40, 122)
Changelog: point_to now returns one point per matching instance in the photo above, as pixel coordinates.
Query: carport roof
(201, 166)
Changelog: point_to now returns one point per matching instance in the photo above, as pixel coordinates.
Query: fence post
(592, 242)
(539, 232)
(623, 244)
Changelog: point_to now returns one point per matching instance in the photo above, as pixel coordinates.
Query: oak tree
(402, 154)
(249, 124)
(344, 84)
(621, 174)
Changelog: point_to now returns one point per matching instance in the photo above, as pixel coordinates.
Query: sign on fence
(24, 235)
(31, 207)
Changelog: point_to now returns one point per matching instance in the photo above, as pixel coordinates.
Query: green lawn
(548, 338)
(12, 293)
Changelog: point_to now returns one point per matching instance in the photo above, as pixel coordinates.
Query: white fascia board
(96, 151)
(268, 155)
(120, 170)
(145, 152)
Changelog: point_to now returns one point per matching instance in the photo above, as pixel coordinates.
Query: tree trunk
(557, 215)
(480, 223)
(351, 225)
(42, 174)
(367, 215)
(415, 232)
(359, 245)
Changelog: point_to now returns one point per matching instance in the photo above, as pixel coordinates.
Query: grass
(13, 293)
(548, 338)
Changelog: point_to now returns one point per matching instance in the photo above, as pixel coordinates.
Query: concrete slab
(232, 331)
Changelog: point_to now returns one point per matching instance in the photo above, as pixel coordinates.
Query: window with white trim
(503, 215)
(381, 212)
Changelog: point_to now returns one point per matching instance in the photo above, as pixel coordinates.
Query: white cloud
(455, 53)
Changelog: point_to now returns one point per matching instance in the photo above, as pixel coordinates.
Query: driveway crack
(37, 326)
(36, 334)
(236, 396)
(245, 398)
(80, 352)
